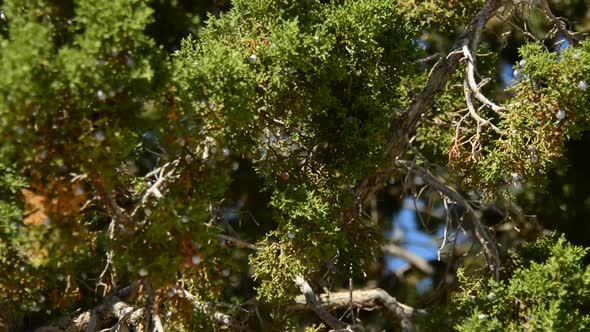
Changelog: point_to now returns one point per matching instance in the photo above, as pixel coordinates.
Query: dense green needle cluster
(547, 291)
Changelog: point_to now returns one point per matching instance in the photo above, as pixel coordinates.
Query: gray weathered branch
(311, 300)
(402, 127)
(113, 307)
(367, 299)
(117, 307)
(410, 257)
(489, 249)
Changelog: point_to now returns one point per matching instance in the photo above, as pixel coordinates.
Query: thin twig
(240, 243)
(445, 229)
(489, 248)
(558, 23)
(429, 58)
(351, 305)
(163, 175)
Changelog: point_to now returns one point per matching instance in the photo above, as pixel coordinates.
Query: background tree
(173, 166)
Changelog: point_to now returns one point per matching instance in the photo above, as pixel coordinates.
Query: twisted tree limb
(367, 299)
(311, 300)
(398, 142)
(403, 126)
(117, 312)
(113, 307)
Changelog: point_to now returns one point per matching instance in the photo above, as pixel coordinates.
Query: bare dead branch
(472, 112)
(470, 78)
(113, 307)
(402, 127)
(121, 222)
(312, 301)
(558, 23)
(429, 58)
(163, 175)
(410, 257)
(489, 249)
(117, 307)
(366, 299)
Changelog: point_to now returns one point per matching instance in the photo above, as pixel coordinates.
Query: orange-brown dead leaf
(34, 208)
(57, 196)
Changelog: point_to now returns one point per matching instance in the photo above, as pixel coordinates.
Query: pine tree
(173, 166)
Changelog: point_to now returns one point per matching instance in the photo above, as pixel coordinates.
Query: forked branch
(481, 234)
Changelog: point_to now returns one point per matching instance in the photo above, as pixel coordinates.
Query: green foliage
(76, 76)
(10, 180)
(276, 269)
(315, 328)
(307, 220)
(315, 81)
(547, 291)
(549, 106)
(74, 71)
(87, 94)
(440, 15)
(298, 76)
